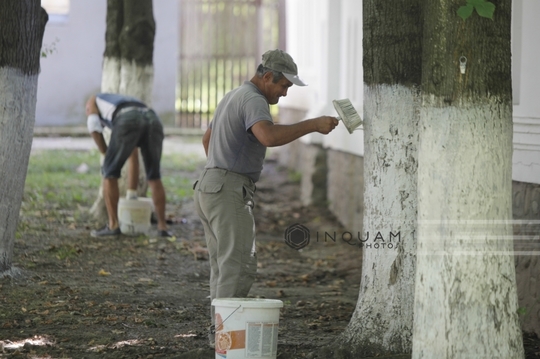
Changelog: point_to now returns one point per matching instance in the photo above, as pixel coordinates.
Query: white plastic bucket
(134, 215)
(246, 328)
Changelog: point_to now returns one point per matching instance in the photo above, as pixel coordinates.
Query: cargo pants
(224, 203)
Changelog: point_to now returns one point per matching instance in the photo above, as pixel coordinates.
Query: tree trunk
(22, 24)
(382, 321)
(465, 297)
(127, 69)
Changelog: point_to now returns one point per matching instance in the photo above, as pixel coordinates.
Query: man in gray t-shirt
(235, 143)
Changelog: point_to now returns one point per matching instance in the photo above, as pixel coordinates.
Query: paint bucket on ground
(246, 327)
(134, 215)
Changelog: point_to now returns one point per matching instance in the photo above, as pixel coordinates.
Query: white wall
(310, 37)
(306, 25)
(325, 39)
(351, 76)
(166, 53)
(526, 52)
(73, 71)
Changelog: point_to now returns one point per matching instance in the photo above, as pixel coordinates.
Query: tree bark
(382, 322)
(127, 69)
(22, 24)
(465, 297)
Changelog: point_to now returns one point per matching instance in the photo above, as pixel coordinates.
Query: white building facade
(74, 43)
(325, 39)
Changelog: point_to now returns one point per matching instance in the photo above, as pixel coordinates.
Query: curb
(81, 131)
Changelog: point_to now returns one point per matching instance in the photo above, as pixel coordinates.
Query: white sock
(131, 194)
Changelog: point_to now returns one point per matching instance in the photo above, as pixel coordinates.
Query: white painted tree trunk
(465, 297)
(382, 321)
(128, 78)
(17, 117)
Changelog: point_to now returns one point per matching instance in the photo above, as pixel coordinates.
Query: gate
(221, 44)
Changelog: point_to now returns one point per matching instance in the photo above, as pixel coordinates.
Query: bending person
(133, 125)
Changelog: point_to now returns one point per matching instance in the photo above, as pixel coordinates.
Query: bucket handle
(213, 327)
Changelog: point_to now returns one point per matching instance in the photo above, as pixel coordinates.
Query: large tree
(22, 24)
(458, 178)
(383, 320)
(128, 67)
(465, 298)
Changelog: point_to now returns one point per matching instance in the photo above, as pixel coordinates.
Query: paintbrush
(347, 114)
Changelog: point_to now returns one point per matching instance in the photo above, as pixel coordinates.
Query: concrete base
(526, 200)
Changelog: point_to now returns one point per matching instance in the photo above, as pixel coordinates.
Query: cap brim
(294, 79)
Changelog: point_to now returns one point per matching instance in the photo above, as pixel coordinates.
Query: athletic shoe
(106, 231)
(165, 234)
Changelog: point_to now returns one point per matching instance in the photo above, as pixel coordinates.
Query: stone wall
(526, 200)
(346, 189)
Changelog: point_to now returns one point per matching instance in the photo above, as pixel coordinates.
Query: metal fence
(221, 44)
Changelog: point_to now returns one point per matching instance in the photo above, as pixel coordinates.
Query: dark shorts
(136, 128)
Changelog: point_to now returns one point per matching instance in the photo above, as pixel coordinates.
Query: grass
(52, 177)
(54, 184)
(65, 252)
(173, 169)
(56, 190)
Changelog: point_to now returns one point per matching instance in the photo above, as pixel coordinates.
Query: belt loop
(204, 173)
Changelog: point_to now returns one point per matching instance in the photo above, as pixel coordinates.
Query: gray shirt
(232, 145)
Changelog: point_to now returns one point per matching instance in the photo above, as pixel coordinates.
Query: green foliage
(49, 49)
(483, 8)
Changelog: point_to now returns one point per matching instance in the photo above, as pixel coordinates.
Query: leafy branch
(49, 49)
(483, 8)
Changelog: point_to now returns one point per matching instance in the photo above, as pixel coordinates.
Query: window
(58, 10)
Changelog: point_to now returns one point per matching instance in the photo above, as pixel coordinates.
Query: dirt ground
(140, 297)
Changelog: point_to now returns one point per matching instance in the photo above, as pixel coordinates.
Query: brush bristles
(348, 114)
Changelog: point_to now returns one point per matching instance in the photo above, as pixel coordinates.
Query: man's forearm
(100, 142)
(271, 135)
(279, 135)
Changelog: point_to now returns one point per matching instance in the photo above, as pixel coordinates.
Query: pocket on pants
(247, 193)
(210, 186)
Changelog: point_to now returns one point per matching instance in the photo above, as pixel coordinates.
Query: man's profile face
(276, 90)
